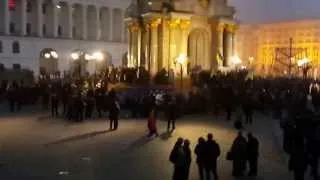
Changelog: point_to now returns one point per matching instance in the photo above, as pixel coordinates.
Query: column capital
(220, 26)
(232, 28)
(133, 25)
(173, 23)
(185, 24)
(154, 23)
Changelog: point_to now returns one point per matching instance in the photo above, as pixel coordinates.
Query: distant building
(43, 34)
(163, 31)
(267, 46)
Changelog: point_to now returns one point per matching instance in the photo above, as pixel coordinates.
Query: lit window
(15, 47)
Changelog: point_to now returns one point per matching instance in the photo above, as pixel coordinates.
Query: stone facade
(160, 31)
(64, 27)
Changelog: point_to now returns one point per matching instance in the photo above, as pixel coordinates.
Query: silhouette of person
(152, 124)
(114, 112)
(253, 153)
(200, 152)
(187, 154)
(177, 158)
(212, 152)
(239, 154)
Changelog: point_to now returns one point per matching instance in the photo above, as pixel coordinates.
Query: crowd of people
(242, 152)
(295, 101)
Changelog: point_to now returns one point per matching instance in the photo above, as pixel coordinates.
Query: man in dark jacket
(212, 152)
(171, 112)
(253, 153)
(114, 112)
(200, 152)
(239, 155)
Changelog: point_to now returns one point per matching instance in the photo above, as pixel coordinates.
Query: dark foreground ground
(34, 146)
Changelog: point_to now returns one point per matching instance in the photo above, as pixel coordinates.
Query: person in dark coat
(89, 104)
(187, 154)
(177, 158)
(298, 159)
(200, 152)
(212, 152)
(79, 107)
(114, 111)
(253, 153)
(239, 155)
(54, 103)
(171, 114)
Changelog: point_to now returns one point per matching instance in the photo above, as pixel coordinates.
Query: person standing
(177, 158)
(187, 154)
(152, 124)
(114, 112)
(253, 154)
(212, 152)
(200, 152)
(171, 114)
(54, 103)
(239, 153)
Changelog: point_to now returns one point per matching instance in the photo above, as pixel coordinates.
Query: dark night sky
(259, 11)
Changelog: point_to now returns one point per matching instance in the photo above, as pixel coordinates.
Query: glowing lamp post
(304, 64)
(80, 57)
(236, 61)
(181, 60)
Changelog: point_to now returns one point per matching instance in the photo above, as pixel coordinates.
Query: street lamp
(181, 59)
(304, 65)
(236, 61)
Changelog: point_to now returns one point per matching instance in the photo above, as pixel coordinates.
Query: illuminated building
(268, 46)
(161, 31)
(35, 33)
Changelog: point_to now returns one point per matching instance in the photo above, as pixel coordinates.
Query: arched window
(15, 47)
(1, 48)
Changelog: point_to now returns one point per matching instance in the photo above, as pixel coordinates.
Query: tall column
(154, 46)
(129, 56)
(39, 18)
(219, 46)
(23, 16)
(123, 31)
(70, 20)
(84, 22)
(54, 20)
(111, 25)
(234, 40)
(146, 45)
(139, 45)
(184, 26)
(228, 47)
(98, 32)
(173, 24)
(6, 17)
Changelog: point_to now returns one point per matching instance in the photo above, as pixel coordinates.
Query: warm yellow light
(236, 60)
(98, 56)
(303, 61)
(47, 55)
(54, 54)
(182, 58)
(74, 56)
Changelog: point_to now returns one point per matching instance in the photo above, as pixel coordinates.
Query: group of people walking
(243, 151)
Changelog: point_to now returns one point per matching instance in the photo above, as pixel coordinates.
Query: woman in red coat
(152, 124)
